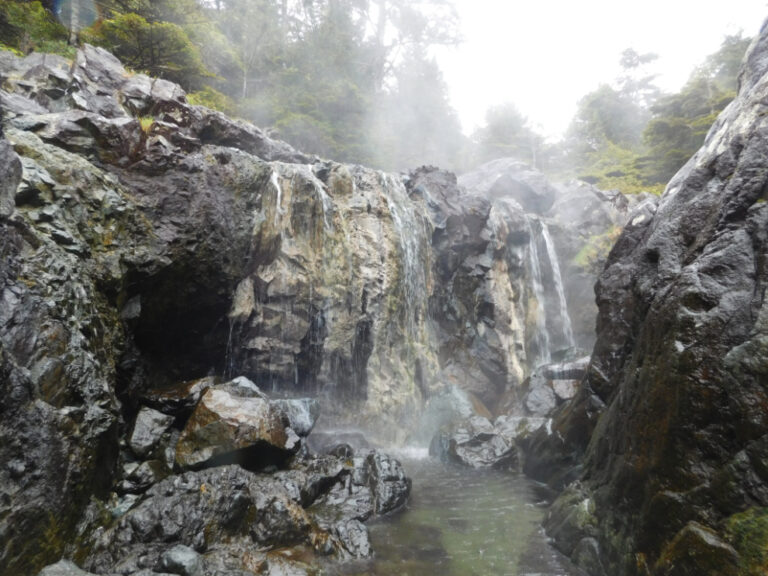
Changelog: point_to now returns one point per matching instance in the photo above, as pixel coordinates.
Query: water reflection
(462, 522)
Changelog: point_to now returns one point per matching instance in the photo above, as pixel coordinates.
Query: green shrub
(160, 49)
(28, 26)
(748, 533)
(212, 98)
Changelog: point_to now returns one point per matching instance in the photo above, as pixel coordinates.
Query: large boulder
(670, 416)
(477, 444)
(224, 425)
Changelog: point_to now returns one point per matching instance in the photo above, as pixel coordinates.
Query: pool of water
(462, 522)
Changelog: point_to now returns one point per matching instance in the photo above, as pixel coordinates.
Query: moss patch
(748, 533)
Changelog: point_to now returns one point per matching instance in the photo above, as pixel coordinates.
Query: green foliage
(631, 138)
(27, 26)
(595, 250)
(160, 49)
(681, 121)
(748, 533)
(212, 98)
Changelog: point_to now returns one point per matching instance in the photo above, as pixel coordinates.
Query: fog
(544, 56)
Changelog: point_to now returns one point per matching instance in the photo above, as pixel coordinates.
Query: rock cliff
(671, 418)
(152, 250)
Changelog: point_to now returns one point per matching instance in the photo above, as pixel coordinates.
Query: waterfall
(563, 304)
(411, 232)
(275, 181)
(542, 333)
(544, 326)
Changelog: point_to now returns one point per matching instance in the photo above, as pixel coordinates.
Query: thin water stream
(463, 522)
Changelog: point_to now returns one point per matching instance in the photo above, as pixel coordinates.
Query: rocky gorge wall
(147, 243)
(667, 437)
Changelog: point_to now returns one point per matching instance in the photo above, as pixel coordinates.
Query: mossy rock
(748, 533)
(697, 550)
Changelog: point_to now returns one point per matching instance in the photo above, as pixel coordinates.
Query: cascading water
(565, 318)
(410, 229)
(545, 319)
(542, 332)
(274, 179)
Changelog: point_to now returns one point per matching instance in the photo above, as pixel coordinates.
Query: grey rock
(354, 535)
(302, 413)
(242, 387)
(181, 560)
(540, 399)
(149, 427)
(63, 568)
(180, 398)
(669, 408)
(475, 443)
(509, 178)
(223, 424)
(376, 485)
(565, 389)
(388, 482)
(141, 477)
(10, 166)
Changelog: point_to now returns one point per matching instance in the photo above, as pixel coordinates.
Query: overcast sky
(543, 55)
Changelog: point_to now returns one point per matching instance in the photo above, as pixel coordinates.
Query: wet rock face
(480, 293)
(122, 251)
(679, 368)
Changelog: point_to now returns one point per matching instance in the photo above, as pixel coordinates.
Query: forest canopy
(357, 81)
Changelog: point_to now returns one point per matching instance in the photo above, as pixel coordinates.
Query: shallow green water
(462, 522)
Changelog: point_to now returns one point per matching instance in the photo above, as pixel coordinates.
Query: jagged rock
(672, 401)
(197, 509)
(354, 535)
(475, 443)
(377, 485)
(149, 427)
(223, 424)
(322, 442)
(565, 389)
(179, 398)
(11, 167)
(586, 556)
(302, 413)
(243, 388)
(140, 477)
(387, 481)
(540, 399)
